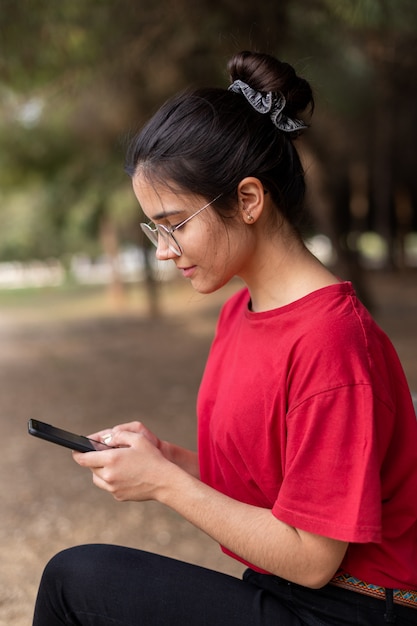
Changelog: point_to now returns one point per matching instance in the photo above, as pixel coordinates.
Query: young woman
(306, 468)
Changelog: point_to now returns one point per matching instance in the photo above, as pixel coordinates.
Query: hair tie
(268, 102)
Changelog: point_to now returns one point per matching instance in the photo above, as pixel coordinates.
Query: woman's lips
(187, 272)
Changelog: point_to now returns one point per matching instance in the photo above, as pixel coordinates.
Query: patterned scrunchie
(268, 102)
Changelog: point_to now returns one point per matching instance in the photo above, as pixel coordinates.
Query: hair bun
(264, 72)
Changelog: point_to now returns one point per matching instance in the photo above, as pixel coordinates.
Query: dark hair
(206, 141)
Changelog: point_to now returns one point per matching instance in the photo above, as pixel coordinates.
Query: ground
(86, 365)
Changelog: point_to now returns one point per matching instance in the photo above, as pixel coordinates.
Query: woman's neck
(283, 274)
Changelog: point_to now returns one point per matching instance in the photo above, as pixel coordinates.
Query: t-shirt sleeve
(331, 481)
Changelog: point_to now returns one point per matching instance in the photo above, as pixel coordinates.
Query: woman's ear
(250, 194)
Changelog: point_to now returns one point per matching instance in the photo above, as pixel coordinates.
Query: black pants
(101, 585)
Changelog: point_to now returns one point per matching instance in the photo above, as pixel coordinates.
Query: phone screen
(64, 437)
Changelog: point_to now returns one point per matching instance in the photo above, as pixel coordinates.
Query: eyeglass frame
(161, 229)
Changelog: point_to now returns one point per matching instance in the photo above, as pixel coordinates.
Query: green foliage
(380, 15)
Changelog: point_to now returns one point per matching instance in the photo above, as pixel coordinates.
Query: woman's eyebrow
(165, 214)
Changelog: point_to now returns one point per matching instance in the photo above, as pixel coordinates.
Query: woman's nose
(163, 250)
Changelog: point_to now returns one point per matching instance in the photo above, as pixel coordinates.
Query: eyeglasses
(154, 231)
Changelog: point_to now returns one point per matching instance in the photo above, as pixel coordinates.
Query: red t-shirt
(305, 410)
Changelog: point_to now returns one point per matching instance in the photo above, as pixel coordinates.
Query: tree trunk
(110, 244)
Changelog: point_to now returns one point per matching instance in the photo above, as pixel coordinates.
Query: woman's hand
(186, 459)
(138, 465)
(135, 427)
(133, 469)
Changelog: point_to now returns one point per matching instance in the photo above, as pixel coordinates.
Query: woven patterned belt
(400, 596)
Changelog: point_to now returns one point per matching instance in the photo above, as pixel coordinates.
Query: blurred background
(92, 330)
(78, 78)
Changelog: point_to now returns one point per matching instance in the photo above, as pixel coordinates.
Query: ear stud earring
(249, 217)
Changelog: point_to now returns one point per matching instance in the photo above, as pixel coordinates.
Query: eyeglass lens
(153, 234)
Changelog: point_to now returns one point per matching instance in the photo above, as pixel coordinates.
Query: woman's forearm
(141, 467)
(254, 533)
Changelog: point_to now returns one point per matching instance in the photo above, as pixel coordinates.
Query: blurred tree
(84, 75)
(364, 54)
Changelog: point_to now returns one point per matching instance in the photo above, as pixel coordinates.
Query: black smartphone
(64, 438)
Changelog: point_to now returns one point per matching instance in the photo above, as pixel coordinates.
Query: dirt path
(87, 371)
